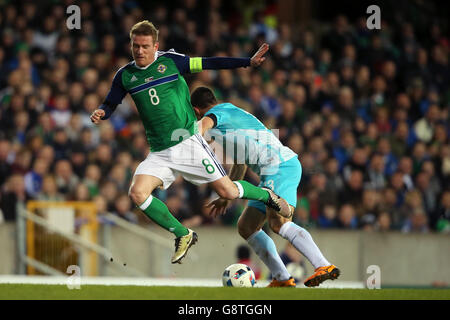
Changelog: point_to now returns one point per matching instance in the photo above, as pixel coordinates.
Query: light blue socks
(301, 239)
(266, 250)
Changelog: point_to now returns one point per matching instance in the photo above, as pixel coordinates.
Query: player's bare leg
(142, 186)
(250, 225)
(301, 239)
(140, 192)
(250, 221)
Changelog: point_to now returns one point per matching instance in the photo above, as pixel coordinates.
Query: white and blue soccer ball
(238, 275)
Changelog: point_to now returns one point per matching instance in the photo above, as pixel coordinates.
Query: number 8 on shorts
(208, 166)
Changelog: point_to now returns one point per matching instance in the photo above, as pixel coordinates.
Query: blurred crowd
(366, 111)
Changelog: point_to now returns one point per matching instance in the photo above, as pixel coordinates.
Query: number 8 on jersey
(154, 99)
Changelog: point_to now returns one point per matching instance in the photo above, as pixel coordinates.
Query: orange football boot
(286, 283)
(321, 274)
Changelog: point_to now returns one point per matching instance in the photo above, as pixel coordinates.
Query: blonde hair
(145, 28)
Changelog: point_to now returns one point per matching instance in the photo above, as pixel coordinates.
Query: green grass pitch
(99, 292)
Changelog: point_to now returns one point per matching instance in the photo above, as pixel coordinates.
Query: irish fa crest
(162, 68)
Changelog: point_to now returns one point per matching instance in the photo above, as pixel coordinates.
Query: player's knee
(244, 230)
(275, 227)
(276, 222)
(138, 195)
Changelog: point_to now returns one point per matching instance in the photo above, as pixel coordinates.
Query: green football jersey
(162, 98)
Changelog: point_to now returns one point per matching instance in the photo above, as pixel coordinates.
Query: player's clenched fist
(97, 115)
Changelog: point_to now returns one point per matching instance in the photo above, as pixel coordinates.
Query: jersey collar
(144, 68)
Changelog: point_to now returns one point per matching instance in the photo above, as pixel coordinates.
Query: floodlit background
(366, 110)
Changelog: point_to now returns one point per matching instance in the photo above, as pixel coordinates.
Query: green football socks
(156, 210)
(249, 191)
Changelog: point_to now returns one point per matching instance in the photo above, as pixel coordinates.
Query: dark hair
(203, 97)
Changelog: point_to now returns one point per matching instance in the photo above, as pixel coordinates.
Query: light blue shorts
(284, 183)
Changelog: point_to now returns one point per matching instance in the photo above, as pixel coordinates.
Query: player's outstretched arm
(217, 63)
(186, 64)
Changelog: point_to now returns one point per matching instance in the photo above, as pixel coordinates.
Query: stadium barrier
(51, 236)
(411, 259)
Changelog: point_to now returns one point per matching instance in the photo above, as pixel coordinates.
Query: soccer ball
(238, 275)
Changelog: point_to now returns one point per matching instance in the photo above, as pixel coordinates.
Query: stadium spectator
(374, 174)
(358, 161)
(66, 180)
(123, 206)
(430, 196)
(413, 200)
(405, 166)
(61, 114)
(390, 161)
(390, 202)
(347, 217)
(109, 191)
(14, 192)
(383, 222)
(49, 190)
(353, 190)
(441, 217)
(417, 222)
(5, 165)
(335, 182)
(328, 217)
(425, 126)
(33, 179)
(369, 208)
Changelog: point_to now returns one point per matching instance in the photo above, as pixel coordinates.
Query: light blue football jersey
(246, 140)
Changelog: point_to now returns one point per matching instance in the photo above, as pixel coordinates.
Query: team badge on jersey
(148, 79)
(162, 68)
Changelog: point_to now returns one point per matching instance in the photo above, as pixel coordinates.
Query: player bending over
(248, 142)
(155, 82)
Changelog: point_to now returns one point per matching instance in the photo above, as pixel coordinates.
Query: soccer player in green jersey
(155, 82)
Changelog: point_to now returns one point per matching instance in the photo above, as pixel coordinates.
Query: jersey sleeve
(219, 118)
(115, 95)
(213, 118)
(216, 63)
(186, 64)
(180, 60)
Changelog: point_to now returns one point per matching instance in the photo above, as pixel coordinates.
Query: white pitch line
(178, 282)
